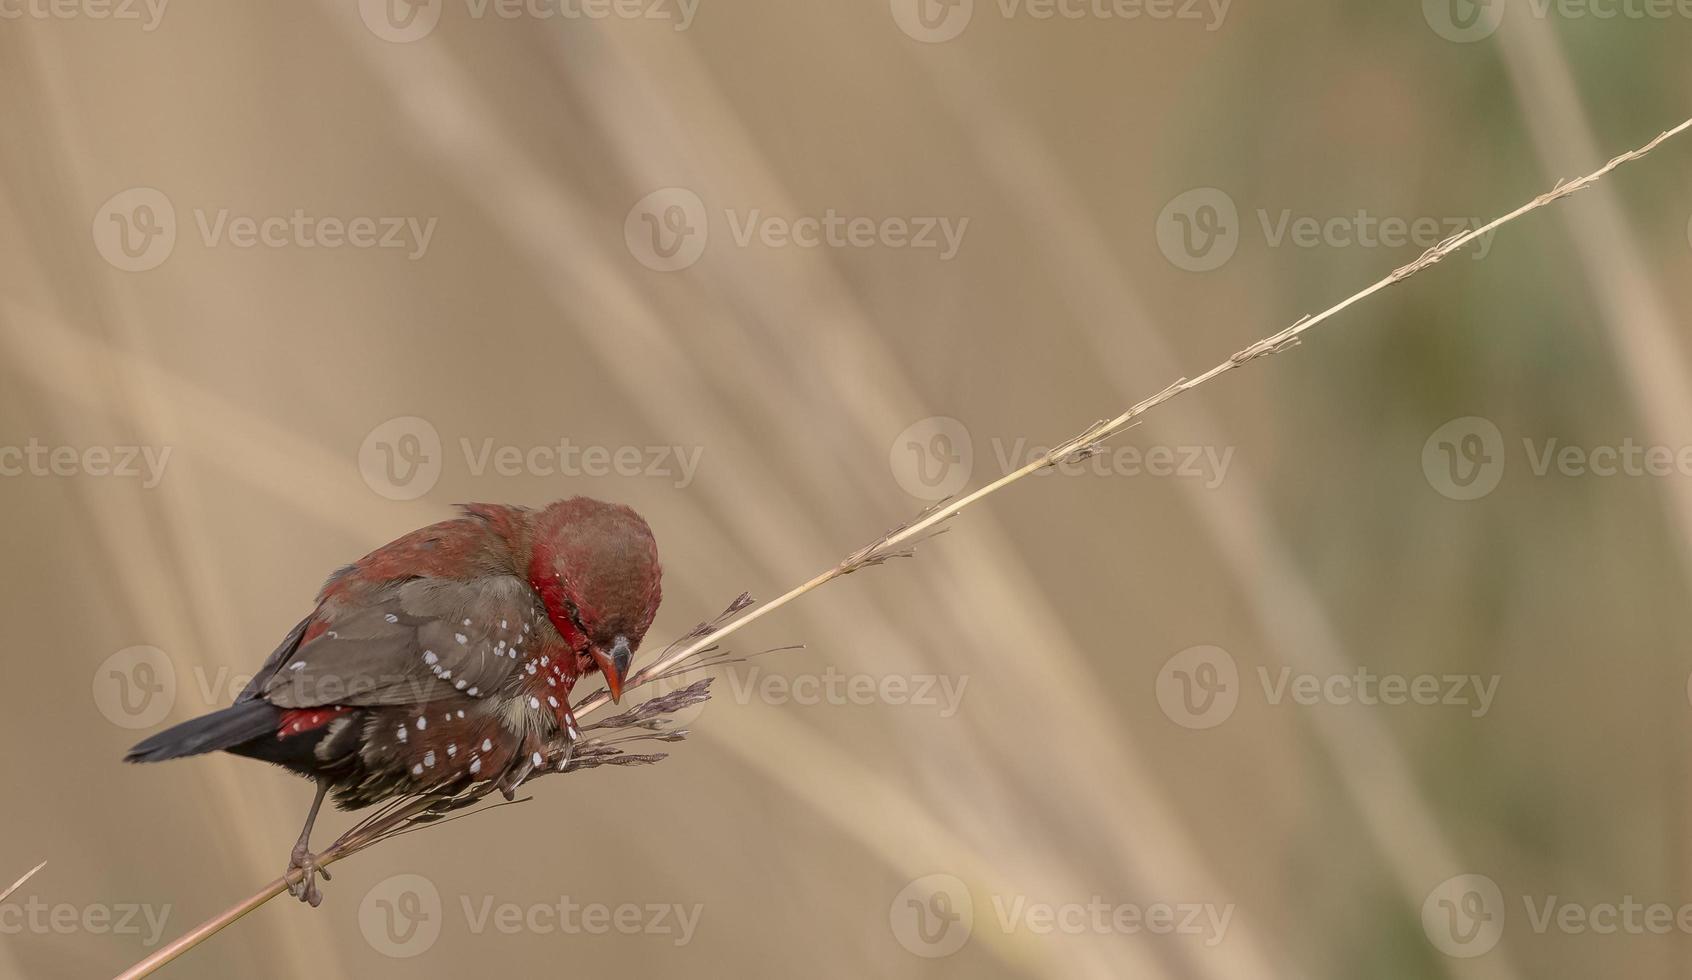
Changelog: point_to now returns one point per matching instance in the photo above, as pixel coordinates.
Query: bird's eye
(575, 616)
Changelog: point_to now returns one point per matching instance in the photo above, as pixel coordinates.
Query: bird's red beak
(614, 665)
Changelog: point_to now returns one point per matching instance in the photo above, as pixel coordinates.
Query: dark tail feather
(209, 733)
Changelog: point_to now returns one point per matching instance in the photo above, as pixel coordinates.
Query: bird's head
(595, 566)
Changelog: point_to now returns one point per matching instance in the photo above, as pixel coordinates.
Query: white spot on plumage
(487, 745)
(467, 622)
(461, 638)
(472, 692)
(537, 758)
(417, 770)
(476, 765)
(297, 665)
(452, 749)
(422, 723)
(429, 657)
(502, 624)
(391, 618)
(429, 758)
(534, 702)
(446, 675)
(461, 710)
(552, 701)
(462, 684)
(402, 733)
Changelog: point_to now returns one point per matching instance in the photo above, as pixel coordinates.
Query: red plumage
(444, 658)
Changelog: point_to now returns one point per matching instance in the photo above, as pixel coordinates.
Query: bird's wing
(416, 641)
(274, 662)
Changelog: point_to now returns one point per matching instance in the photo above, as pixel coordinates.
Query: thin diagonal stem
(897, 542)
(1084, 442)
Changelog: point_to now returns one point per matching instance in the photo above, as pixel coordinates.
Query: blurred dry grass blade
(1374, 768)
(20, 882)
(1640, 319)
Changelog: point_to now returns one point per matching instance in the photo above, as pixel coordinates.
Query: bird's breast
(541, 697)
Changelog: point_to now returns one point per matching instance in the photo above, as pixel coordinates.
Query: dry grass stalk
(699, 648)
(20, 882)
(897, 542)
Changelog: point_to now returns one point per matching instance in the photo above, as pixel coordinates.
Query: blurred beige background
(1131, 199)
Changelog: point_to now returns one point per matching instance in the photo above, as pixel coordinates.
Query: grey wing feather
(422, 640)
(274, 662)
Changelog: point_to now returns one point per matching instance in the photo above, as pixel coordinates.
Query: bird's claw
(305, 889)
(534, 759)
(513, 778)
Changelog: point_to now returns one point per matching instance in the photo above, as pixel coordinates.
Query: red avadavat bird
(442, 659)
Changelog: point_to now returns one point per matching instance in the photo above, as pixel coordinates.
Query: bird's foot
(306, 889)
(514, 777)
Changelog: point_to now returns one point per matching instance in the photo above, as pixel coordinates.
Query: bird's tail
(224, 729)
